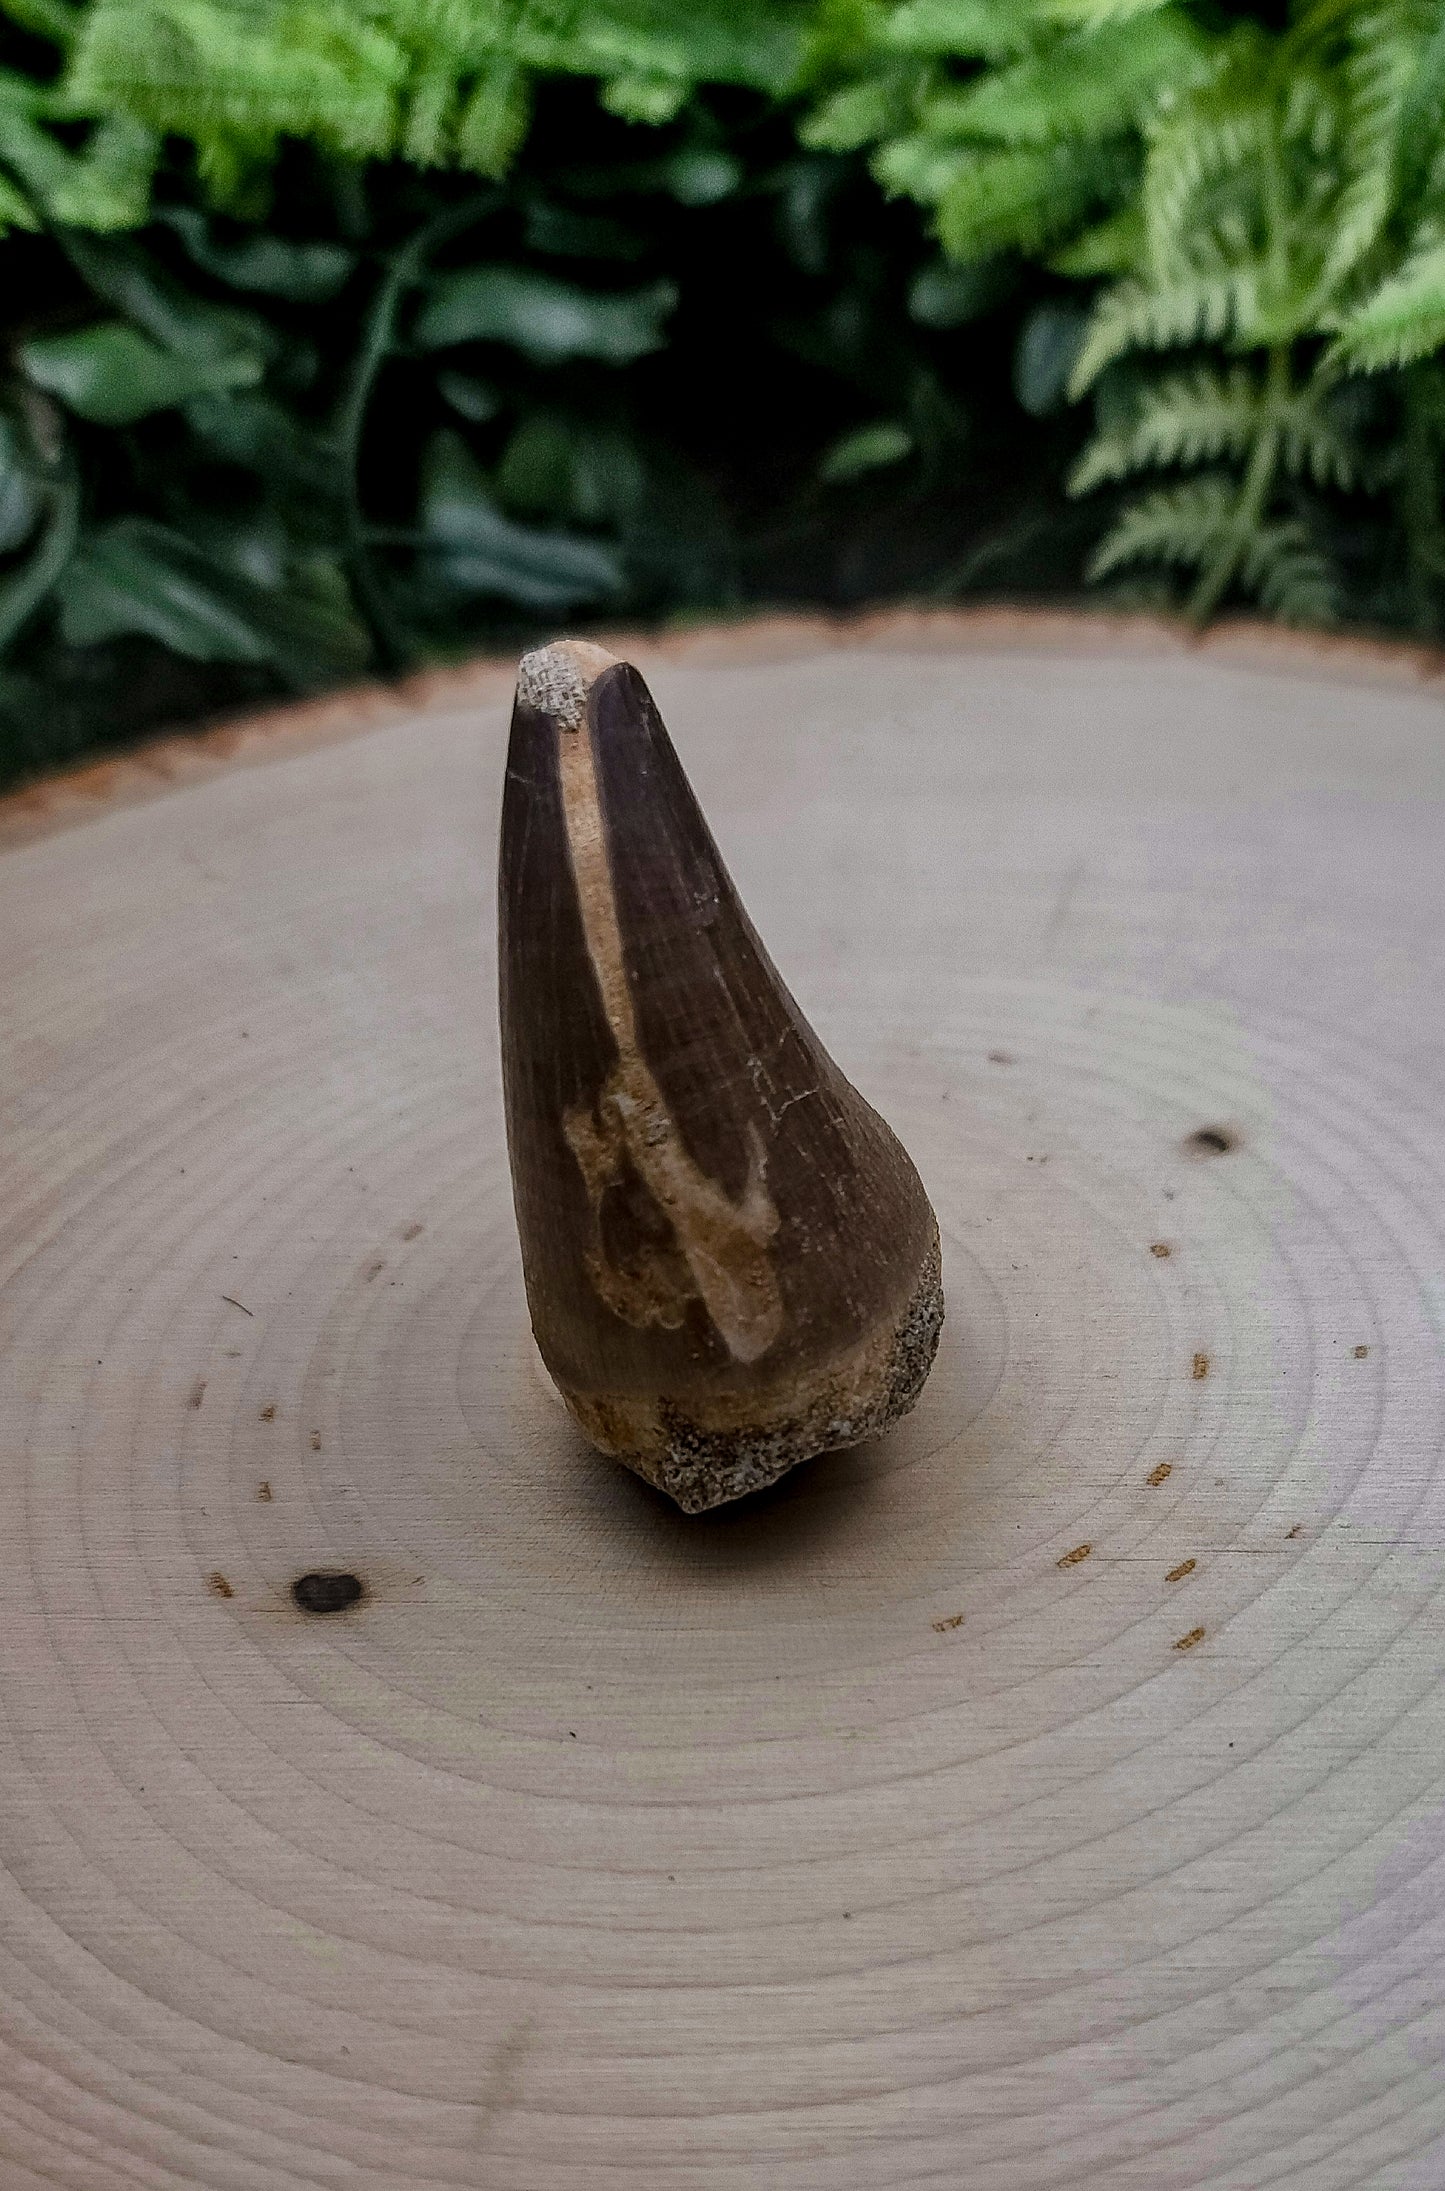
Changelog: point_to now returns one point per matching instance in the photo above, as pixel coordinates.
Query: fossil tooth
(730, 1261)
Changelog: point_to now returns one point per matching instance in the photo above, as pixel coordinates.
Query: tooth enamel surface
(727, 1292)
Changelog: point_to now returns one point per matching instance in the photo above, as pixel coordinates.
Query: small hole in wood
(326, 1591)
(1211, 1141)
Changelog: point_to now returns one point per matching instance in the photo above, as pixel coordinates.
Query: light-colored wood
(1050, 1795)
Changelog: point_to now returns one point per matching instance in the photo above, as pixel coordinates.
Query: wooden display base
(1050, 1795)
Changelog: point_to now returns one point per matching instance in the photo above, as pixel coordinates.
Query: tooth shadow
(810, 1510)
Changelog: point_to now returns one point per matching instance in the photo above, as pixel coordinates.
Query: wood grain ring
(1051, 1793)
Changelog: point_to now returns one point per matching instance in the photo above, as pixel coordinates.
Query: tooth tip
(557, 678)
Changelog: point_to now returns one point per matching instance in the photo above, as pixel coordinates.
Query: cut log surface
(395, 1795)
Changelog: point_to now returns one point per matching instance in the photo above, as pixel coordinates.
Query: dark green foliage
(654, 372)
(1268, 201)
(351, 334)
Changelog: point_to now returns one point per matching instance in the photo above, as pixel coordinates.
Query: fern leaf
(425, 137)
(1186, 418)
(1314, 443)
(1091, 14)
(974, 30)
(1403, 320)
(105, 184)
(1380, 73)
(1222, 135)
(16, 210)
(1288, 575)
(1182, 526)
(918, 166)
(1113, 247)
(1085, 87)
(494, 120)
(857, 115)
(1016, 199)
(1135, 316)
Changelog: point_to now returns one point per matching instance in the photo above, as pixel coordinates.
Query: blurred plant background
(349, 335)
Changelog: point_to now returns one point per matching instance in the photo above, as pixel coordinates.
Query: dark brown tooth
(730, 1261)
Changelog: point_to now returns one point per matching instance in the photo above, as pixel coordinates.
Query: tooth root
(731, 1263)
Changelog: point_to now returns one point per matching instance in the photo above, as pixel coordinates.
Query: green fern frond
(1020, 199)
(1182, 526)
(1095, 84)
(973, 30)
(1134, 316)
(1187, 418)
(1386, 45)
(1091, 14)
(16, 211)
(1288, 575)
(1222, 135)
(104, 183)
(432, 80)
(1313, 442)
(859, 114)
(918, 166)
(493, 122)
(1111, 248)
(1403, 320)
(202, 70)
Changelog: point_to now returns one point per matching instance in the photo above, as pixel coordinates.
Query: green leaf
(697, 175)
(475, 399)
(855, 116)
(866, 449)
(1403, 320)
(984, 30)
(942, 294)
(494, 121)
(1208, 156)
(253, 431)
(103, 185)
(655, 98)
(113, 375)
(136, 576)
(1020, 199)
(1134, 316)
(16, 211)
(1180, 525)
(25, 590)
(1316, 440)
(560, 467)
(1049, 342)
(1090, 14)
(1112, 247)
(21, 497)
(118, 269)
(1095, 85)
(1379, 75)
(1191, 417)
(534, 475)
(547, 320)
(920, 166)
(302, 273)
(475, 549)
(53, 19)
(1289, 576)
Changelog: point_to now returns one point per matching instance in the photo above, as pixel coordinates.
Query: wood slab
(1050, 1794)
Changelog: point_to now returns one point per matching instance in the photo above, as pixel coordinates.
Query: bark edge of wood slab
(730, 1261)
